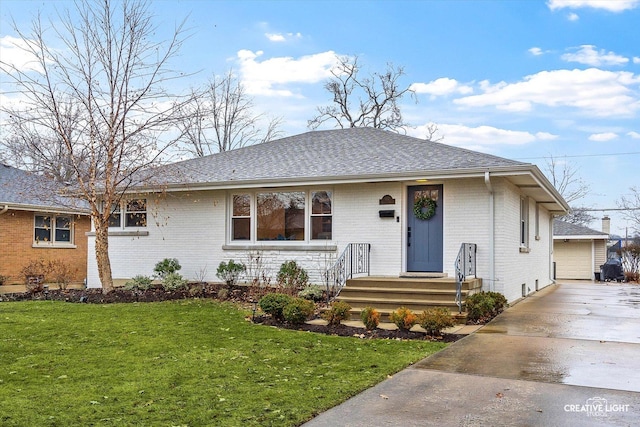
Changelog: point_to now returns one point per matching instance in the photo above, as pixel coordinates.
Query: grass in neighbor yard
(180, 363)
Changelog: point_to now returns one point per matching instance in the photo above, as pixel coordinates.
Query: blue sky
(519, 79)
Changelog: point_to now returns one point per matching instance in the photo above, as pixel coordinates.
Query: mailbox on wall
(387, 213)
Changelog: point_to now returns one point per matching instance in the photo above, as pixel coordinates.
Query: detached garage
(578, 251)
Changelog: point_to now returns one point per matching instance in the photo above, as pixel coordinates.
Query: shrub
(311, 292)
(223, 294)
(298, 310)
(174, 281)
(230, 271)
(338, 312)
(370, 317)
(292, 276)
(434, 320)
(166, 266)
(34, 272)
(138, 283)
(484, 306)
(403, 318)
(60, 272)
(274, 304)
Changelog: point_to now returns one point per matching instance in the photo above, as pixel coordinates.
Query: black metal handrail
(355, 259)
(465, 266)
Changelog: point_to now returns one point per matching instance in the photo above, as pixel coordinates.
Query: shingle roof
(23, 189)
(353, 152)
(562, 228)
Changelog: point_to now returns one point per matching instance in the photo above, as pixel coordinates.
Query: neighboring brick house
(37, 224)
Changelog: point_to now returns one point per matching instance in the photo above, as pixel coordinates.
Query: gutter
(4, 209)
(492, 232)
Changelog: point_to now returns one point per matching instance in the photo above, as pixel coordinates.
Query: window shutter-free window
(42, 228)
(63, 229)
(321, 215)
(281, 216)
(241, 217)
(136, 213)
(53, 229)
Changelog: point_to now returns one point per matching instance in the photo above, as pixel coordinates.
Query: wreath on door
(424, 208)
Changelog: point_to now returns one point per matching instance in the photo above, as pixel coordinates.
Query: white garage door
(573, 260)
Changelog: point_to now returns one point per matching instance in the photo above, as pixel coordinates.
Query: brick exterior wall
(17, 248)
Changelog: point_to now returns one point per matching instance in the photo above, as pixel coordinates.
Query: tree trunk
(102, 257)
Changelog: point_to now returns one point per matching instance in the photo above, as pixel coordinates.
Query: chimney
(606, 225)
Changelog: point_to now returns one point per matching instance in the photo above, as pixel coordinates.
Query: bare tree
(26, 148)
(221, 117)
(566, 180)
(363, 102)
(98, 95)
(631, 206)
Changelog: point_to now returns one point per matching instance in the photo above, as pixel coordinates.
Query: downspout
(492, 233)
(4, 209)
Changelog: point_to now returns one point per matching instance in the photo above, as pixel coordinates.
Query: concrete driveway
(568, 355)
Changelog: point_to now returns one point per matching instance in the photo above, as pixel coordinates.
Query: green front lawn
(181, 363)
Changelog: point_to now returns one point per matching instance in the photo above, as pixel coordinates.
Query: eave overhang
(526, 177)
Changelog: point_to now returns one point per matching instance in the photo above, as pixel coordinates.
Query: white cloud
(275, 37)
(480, 136)
(587, 54)
(610, 5)
(536, 51)
(263, 78)
(14, 51)
(634, 135)
(602, 137)
(545, 136)
(279, 37)
(593, 91)
(573, 17)
(636, 60)
(442, 86)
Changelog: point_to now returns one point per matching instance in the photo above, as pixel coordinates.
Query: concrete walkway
(568, 355)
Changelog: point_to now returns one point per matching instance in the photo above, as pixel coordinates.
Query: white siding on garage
(574, 259)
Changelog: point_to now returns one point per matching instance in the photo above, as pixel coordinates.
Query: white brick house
(308, 196)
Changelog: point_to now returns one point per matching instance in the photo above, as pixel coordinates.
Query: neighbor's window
(280, 216)
(241, 217)
(132, 212)
(524, 221)
(321, 218)
(53, 229)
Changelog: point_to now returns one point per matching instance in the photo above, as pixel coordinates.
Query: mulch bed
(238, 294)
(352, 331)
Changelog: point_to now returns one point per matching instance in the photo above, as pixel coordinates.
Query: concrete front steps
(416, 292)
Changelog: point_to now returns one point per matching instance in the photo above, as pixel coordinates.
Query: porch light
(422, 180)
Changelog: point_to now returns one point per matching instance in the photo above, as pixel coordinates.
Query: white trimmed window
(241, 217)
(321, 215)
(129, 214)
(524, 222)
(53, 229)
(286, 216)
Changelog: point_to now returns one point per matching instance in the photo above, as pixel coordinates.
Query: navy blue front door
(424, 236)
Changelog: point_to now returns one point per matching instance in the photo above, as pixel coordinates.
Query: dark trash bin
(612, 271)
